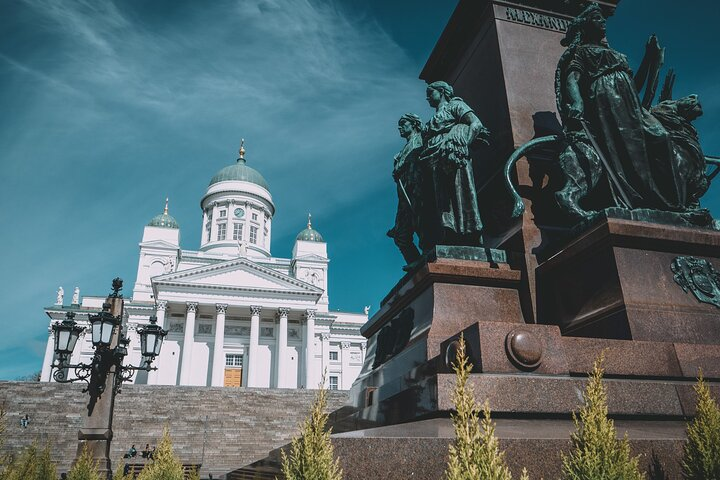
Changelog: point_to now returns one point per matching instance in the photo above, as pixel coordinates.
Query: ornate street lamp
(151, 339)
(109, 350)
(66, 334)
(103, 324)
(105, 371)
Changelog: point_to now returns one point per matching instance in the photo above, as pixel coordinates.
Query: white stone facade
(236, 315)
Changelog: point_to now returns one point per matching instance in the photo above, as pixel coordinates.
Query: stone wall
(222, 428)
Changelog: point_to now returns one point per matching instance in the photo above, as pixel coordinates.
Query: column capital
(363, 346)
(310, 314)
(344, 345)
(161, 305)
(221, 307)
(283, 311)
(255, 310)
(325, 337)
(191, 306)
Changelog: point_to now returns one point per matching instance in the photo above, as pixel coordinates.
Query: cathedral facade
(236, 315)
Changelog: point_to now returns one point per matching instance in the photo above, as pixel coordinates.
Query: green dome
(309, 234)
(163, 220)
(240, 172)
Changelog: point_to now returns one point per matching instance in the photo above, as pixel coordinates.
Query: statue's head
(409, 124)
(589, 25)
(436, 91)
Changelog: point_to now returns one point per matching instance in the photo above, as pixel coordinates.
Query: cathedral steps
(220, 428)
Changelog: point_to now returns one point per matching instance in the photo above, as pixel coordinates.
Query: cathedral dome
(164, 219)
(309, 234)
(240, 172)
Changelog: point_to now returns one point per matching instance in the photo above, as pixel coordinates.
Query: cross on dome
(242, 150)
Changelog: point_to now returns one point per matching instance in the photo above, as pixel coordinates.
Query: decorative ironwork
(700, 277)
(108, 358)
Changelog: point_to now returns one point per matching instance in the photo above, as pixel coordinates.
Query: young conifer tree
(311, 453)
(165, 465)
(475, 453)
(4, 460)
(119, 469)
(597, 452)
(32, 464)
(86, 467)
(701, 459)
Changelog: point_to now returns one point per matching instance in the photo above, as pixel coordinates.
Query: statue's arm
(576, 106)
(476, 128)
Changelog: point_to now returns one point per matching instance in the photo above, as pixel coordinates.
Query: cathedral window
(237, 231)
(233, 360)
(223, 213)
(254, 216)
(253, 235)
(333, 382)
(334, 356)
(222, 228)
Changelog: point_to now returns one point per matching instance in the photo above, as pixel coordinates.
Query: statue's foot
(413, 265)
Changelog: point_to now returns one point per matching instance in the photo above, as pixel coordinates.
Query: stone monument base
(619, 279)
(532, 375)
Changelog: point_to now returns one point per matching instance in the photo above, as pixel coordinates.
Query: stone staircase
(221, 428)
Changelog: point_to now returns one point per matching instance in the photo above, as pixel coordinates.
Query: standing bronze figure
(598, 100)
(407, 176)
(453, 216)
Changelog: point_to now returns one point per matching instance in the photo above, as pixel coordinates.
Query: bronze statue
(597, 96)
(616, 150)
(407, 176)
(453, 214)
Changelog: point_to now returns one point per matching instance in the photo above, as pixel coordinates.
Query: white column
(218, 365)
(213, 224)
(253, 364)
(325, 337)
(310, 381)
(281, 370)
(49, 354)
(160, 308)
(188, 341)
(363, 348)
(345, 366)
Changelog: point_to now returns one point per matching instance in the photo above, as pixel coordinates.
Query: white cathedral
(236, 315)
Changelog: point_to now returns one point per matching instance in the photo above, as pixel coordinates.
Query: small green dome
(164, 219)
(240, 172)
(309, 234)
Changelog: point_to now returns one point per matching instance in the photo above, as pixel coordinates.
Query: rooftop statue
(453, 214)
(617, 150)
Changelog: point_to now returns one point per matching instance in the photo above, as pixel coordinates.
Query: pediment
(238, 274)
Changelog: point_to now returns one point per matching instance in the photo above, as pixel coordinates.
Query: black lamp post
(106, 370)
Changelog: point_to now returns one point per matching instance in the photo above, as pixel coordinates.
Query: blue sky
(107, 107)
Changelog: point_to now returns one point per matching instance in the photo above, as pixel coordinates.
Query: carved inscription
(536, 19)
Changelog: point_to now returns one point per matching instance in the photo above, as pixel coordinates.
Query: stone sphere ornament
(451, 354)
(524, 349)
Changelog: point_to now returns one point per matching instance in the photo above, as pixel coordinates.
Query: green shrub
(311, 453)
(701, 459)
(475, 453)
(31, 464)
(597, 452)
(165, 465)
(86, 467)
